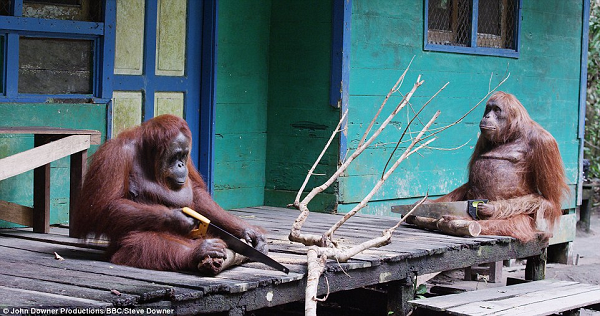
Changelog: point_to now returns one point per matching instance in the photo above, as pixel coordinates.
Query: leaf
(421, 289)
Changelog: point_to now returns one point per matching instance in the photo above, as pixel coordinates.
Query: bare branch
(409, 124)
(323, 246)
(295, 234)
(441, 129)
(409, 151)
(314, 166)
(361, 148)
(316, 266)
(392, 90)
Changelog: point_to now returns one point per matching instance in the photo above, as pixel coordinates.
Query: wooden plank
(42, 155)
(543, 301)
(68, 290)
(565, 230)
(95, 136)
(146, 290)
(443, 303)
(28, 298)
(15, 213)
(91, 261)
(557, 305)
(54, 238)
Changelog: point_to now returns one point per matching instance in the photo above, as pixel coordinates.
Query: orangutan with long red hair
(517, 166)
(134, 192)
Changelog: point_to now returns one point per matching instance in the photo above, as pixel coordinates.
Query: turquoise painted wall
(300, 119)
(272, 113)
(241, 103)
(385, 36)
(19, 189)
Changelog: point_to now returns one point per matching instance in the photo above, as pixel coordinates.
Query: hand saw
(437, 210)
(232, 242)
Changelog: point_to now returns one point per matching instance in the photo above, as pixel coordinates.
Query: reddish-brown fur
(146, 229)
(518, 167)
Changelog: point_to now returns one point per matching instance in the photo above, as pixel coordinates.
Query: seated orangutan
(516, 165)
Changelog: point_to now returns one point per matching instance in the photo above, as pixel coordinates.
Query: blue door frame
(198, 82)
(340, 64)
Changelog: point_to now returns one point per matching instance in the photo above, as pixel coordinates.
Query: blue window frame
(37, 59)
(482, 27)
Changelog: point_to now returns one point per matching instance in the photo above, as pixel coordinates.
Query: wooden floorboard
(30, 274)
(544, 297)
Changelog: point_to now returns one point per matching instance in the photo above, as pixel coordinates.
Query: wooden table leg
(535, 269)
(78, 166)
(41, 193)
(399, 293)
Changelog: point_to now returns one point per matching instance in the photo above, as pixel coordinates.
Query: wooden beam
(42, 155)
(15, 213)
(78, 167)
(95, 136)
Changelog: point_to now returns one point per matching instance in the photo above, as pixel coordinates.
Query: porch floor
(32, 277)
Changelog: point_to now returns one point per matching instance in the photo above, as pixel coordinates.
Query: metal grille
(449, 22)
(5, 7)
(496, 23)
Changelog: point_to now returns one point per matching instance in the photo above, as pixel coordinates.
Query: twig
(314, 166)
(449, 149)
(441, 129)
(326, 294)
(409, 151)
(392, 90)
(409, 124)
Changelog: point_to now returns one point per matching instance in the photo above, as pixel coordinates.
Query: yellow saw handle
(202, 226)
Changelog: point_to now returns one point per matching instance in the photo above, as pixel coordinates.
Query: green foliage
(421, 291)
(592, 115)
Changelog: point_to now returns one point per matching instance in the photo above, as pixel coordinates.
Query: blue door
(164, 59)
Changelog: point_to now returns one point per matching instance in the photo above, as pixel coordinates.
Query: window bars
(455, 23)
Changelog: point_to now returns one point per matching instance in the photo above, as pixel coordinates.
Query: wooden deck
(30, 276)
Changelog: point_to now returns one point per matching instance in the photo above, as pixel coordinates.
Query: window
(52, 50)
(487, 27)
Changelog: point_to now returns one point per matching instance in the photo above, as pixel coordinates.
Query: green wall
(241, 103)
(273, 79)
(300, 119)
(19, 189)
(385, 36)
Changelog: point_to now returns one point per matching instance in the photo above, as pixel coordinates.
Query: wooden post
(399, 293)
(78, 167)
(585, 208)
(495, 271)
(41, 192)
(535, 269)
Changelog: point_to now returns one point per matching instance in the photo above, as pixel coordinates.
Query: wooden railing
(50, 144)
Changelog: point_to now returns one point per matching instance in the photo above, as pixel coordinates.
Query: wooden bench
(50, 144)
(543, 297)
